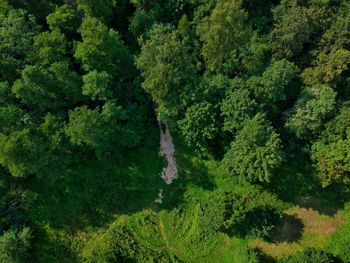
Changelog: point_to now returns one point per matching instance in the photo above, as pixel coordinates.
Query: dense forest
(175, 131)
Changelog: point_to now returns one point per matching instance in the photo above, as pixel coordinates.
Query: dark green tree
(275, 83)
(237, 107)
(15, 245)
(12, 118)
(199, 126)
(104, 130)
(48, 88)
(102, 9)
(50, 47)
(331, 152)
(102, 49)
(168, 70)
(256, 152)
(64, 19)
(296, 27)
(315, 105)
(23, 153)
(224, 31)
(17, 31)
(332, 56)
(97, 85)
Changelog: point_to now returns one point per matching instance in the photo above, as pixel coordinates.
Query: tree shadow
(263, 257)
(91, 194)
(315, 204)
(297, 183)
(290, 229)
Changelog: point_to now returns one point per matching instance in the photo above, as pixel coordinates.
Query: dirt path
(167, 150)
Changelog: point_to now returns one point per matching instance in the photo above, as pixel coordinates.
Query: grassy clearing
(300, 228)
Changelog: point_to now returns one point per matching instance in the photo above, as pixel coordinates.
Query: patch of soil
(290, 229)
(167, 150)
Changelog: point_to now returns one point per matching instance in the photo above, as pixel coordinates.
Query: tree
(340, 241)
(17, 31)
(256, 152)
(48, 88)
(97, 85)
(102, 9)
(124, 242)
(6, 96)
(168, 70)
(39, 8)
(50, 47)
(13, 207)
(15, 245)
(23, 153)
(249, 212)
(224, 31)
(199, 126)
(332, 160)
(331, 153)
(237, 107)
(275, 83)
(11, 119)
(103, 50)
(140, 23)
(315, 105)
(105, 130)
(295, 28)
(332, 56)
(64, 20)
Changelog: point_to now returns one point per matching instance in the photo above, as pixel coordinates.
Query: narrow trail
(167, 150)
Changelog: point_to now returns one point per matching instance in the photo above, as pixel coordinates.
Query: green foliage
(11, 119)
(167, 68)
(47, 88)
(256, 152)
(238, 214)
(103, 130)
(96, 85)
(340, 241)
(23, 153)
(17, 30)
(223, 31)
(13, 206)
(130, 239)
(332, 55)
(102, 49)
(332, 160)
(237, 107)
(15, 245)
(310, 255)
(296, 27)
(63, 19)
(79, 105)
(314, 106)
(50, 47)
(199, 126)
(97, 8)
(275, 83)
(331, 153)
(141, 23)
(191, 242)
